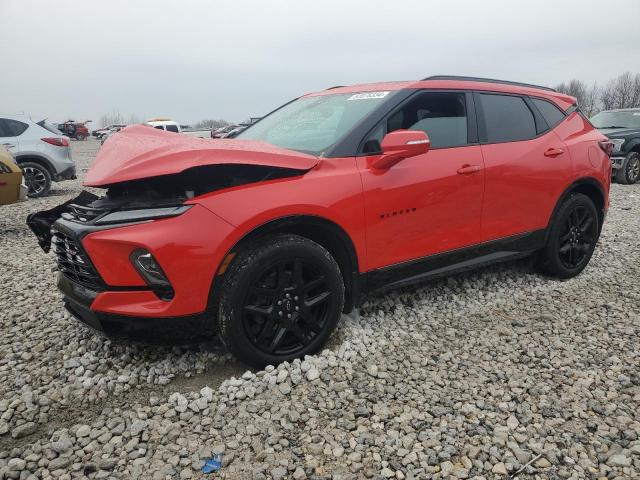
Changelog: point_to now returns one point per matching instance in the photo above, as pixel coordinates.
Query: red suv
(269, 237)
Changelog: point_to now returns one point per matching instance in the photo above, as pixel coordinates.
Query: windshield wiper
(614, 126)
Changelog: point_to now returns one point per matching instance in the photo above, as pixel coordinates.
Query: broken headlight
(142, 215)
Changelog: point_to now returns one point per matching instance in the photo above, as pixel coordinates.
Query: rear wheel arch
(39, 160)
(326, 233)
(588, 186)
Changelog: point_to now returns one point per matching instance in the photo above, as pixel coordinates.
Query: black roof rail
(486, 80)
(335, 86)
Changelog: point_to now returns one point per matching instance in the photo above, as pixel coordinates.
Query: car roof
(457, 83)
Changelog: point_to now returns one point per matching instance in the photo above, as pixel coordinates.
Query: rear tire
(37, 178)
(572, 238)
(280, 299)
(630, 171)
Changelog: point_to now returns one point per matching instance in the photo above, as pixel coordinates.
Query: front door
(427, 204)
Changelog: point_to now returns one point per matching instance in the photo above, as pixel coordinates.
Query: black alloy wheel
(629, 173)
(280, 299)
(578, 237)
(37, 179)
(633, 169)
(571, 239)
(286, 308)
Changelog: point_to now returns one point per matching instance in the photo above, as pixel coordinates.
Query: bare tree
(212, 123)
(112, 118)
(622, 92)
(587, 97)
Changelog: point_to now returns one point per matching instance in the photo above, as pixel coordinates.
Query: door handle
(8, 145)
(553, 152)
(467, 169)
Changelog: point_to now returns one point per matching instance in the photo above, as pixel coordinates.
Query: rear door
(527, 166)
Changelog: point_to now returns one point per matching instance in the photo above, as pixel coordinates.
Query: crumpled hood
(140, 151)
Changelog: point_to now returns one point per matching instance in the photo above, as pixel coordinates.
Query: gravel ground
(500, 373)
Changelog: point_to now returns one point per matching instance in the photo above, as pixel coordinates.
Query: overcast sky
(196, 59)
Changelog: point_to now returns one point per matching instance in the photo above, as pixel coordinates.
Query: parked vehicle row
(269, 237)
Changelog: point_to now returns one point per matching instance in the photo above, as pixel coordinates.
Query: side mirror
(401, 144)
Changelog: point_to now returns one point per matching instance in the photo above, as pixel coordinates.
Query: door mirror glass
(401, 144)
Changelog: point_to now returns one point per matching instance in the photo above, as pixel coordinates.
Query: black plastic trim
(487, 80)
(435, 266)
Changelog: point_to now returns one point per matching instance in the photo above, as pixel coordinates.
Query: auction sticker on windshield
(368, 95)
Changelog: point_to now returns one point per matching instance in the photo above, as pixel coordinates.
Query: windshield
(313, 124)
(630, 119)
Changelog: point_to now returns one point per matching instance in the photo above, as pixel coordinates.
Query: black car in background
(623, 129)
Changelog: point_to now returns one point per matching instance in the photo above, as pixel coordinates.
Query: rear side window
(507, 118)
(15, 127)
(159, 127)
(172, 128)
(552, 114)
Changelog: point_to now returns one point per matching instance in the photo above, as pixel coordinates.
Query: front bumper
(158, 331)
(68, 173)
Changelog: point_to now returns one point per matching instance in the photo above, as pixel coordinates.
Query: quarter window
(552, 114)
(507, 118)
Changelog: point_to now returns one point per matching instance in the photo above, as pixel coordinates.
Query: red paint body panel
(522, 185)
(588, 159)
(422, 206)
(332, 190)
(142, 152)
(189, 249)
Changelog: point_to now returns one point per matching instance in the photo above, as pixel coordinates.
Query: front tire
(280, 299)
(37, 179)
(572, 238)
(630, 171)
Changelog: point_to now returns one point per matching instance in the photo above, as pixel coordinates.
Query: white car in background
(164, 124)
(41, 151)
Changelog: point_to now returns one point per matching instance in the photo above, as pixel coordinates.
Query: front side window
(172, 128)
(159, 127)
(507, 118)
(314, 124)
(441, 115)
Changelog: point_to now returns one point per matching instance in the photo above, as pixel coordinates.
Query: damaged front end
(149, 199)
(101, 268)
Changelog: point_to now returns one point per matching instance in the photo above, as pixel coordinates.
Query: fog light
(149, 269)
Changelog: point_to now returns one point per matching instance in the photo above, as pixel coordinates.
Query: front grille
(73, 262)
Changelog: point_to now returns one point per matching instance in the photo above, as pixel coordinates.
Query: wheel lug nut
(280, 313)
(288, 315)
(295, 298)
(297, 308)
(279, 302)
(288, 296)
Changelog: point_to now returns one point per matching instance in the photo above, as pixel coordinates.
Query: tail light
(606, 146)
(57, 141)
